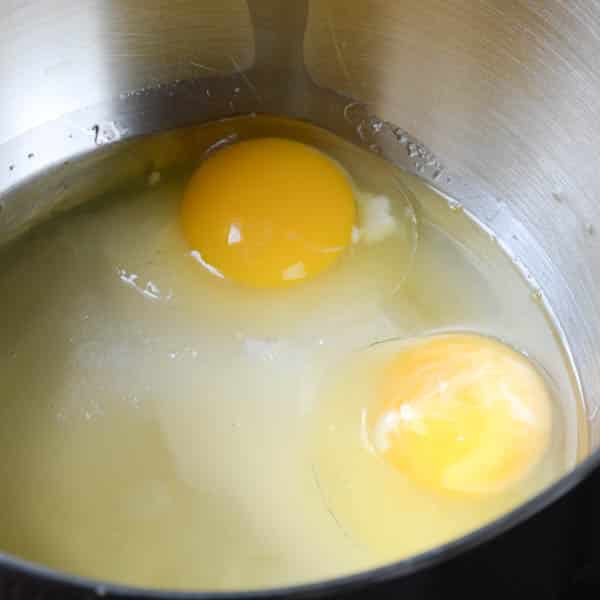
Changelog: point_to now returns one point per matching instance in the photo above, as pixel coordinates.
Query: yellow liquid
(161, 428)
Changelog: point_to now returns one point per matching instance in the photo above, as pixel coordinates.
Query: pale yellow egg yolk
(462, 413)
(269, 212)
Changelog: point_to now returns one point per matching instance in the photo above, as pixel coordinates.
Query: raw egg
(461, 413)
(288, 243)
(419, 440)
(269, 212)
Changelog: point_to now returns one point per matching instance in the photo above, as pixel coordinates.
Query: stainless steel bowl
(504, 93)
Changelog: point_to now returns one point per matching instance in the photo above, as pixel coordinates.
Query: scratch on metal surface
(141, 54)
(131, 34)
(338, 52)
(245, 79)
(204, 67)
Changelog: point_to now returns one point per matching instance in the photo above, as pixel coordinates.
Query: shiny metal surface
(504, 92)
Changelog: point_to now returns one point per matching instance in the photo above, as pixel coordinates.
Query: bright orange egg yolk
(462, 413)
(269, 212)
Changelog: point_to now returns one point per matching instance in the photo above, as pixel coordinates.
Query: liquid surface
(160, 426)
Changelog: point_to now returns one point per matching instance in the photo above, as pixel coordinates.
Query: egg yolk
(269, 212)
(462, 413)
